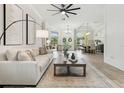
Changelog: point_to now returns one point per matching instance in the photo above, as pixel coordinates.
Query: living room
(61, 45)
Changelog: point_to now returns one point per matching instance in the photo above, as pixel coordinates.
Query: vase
(73, 56)
(65, 52)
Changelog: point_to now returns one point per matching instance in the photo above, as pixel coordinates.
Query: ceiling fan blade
(52, 10)
(55, 6)
(56, 13)
(73, 9)
(72, 13)
(67, 15)
(69, 6)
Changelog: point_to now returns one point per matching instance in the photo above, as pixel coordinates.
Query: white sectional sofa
(26, 72)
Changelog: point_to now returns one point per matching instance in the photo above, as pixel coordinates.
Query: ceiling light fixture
(63, 12)
(64, 9)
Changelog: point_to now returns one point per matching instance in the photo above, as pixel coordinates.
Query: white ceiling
(87, 13)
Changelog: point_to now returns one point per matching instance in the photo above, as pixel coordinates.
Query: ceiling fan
(64, 9)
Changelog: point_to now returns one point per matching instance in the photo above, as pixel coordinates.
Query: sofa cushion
(50, 56)
(35, 52)
(49, 51)
(23, 56)
(3, 57)
(11, 55)
(42, 58)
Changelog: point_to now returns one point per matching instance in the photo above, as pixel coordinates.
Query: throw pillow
(30, 54)
(11, 55)
(23, 56)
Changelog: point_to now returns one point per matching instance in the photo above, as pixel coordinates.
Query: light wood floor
(99, 74)
(114, 74)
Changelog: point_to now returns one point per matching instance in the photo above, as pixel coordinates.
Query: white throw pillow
(11, 55)
(23, 56)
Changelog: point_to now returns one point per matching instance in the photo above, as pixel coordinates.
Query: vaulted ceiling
(87, 13)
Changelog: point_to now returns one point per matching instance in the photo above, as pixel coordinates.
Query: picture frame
(14, 34)
(1, 23)
(54, 37)
(30, 30)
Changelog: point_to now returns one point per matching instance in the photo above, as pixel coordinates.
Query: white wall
(98, 31)
(33, 13)
(114, 36)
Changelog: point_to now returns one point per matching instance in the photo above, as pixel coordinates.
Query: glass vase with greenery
(66, 47)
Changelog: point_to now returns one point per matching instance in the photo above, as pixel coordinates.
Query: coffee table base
(68, 71)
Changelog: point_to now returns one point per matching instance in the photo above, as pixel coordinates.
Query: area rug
(93, 79)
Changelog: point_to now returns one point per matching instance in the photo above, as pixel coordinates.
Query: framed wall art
(30, 30)
(14, 34)
(1, 24)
